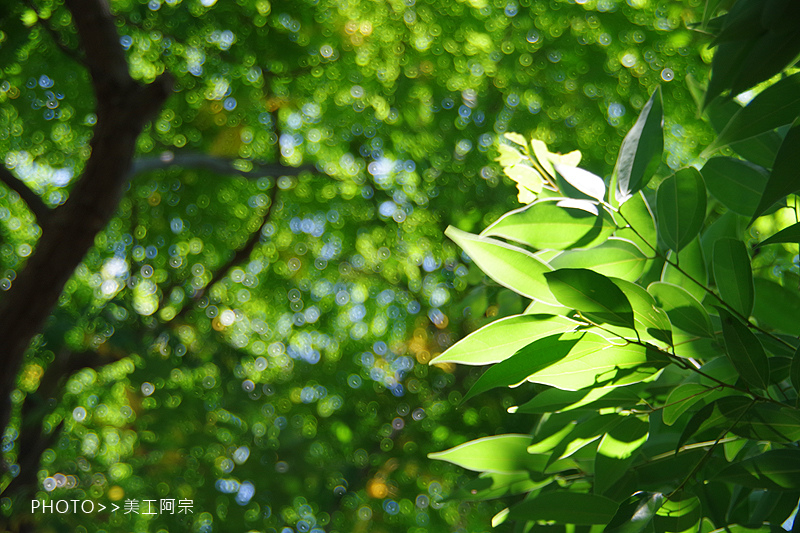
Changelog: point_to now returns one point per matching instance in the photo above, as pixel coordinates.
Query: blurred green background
(285, 388)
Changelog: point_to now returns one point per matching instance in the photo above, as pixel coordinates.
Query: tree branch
(35, 203)
(240, 255)
(218, 165)
(123, 108)
(66, 50)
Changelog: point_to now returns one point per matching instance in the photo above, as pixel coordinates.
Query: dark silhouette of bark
(123, 107)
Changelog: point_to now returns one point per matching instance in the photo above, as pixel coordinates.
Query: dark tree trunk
(123, 108)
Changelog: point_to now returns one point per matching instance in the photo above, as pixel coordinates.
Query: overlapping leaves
(668, 353)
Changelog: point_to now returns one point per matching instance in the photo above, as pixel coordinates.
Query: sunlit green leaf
(547, 225)
(618, 258)
(650, 321)
(585, 432)
(555, 400)
(616, 450)
(572, 361)
(678, 514)
(681, 399)
(491, 485)
(636, 513)
(687, 270)
(508, 155)
(499, 454)
(501, 339)
(508, 265)
(528, 180)
(583, 180)
(638, 224)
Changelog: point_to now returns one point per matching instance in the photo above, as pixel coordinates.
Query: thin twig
(708, 453)
(218, 165)
(35, 203)
(240, 255)
(739, 315)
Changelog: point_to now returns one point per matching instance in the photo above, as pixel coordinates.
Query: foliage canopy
(223, 269)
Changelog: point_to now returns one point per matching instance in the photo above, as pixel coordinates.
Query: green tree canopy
(222, 254)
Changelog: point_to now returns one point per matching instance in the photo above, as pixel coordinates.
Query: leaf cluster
(664, 386)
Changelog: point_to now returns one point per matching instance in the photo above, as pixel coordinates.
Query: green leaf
(775, 106)
(501, 339)
(738, 184)
(772, 470)
(651, 322)
(516, 138)
(640, 153)
(681, 399)
(642, 231)
(545, 225)
(692, 262)
(593, 294)
(617, 450)
(729, 225)
(733, 275)
(766, 57)
(794, 370)
(683, 309)
(527, 179)
(636, 513)
(534, 357)
(618, 258)
(745, 351)
(508, 265)
(783, 179)
(564, 507)
(737, 24)
(681, 208)
(572, 361)
(787, 235)
(508, 155)
(583, 180)
(719, 369)
(760, 149)
(500, 454)
(724, 67)
(776, 307)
